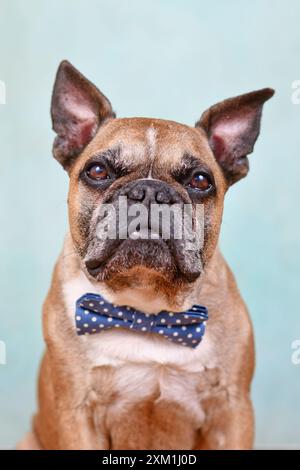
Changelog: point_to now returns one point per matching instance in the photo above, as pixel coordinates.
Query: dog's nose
(152, 192)
(136, 194)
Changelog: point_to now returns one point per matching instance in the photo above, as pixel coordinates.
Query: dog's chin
(135, 263)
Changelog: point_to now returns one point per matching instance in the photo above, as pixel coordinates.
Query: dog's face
(123, 170)
(149, 162)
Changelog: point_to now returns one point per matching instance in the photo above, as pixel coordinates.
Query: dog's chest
(129, 368)
(125, 370)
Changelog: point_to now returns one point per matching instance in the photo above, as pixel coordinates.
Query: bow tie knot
(94, 313)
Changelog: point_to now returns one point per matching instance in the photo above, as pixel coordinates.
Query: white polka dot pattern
(94, 313)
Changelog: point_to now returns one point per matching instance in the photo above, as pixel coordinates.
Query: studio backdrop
(168, 59)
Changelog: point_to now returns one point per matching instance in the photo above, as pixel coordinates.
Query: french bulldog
(125, 388)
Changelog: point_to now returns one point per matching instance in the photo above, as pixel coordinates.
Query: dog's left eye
(201, 182)
(97, 172)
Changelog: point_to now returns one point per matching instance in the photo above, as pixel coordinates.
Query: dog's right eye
(97, 172)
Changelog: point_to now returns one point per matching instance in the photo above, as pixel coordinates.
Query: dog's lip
(95, 265)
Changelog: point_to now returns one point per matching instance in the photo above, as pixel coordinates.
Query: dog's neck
(142, 297)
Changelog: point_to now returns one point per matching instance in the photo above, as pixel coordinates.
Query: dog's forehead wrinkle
(149, 143)
(190, 162)
(151, 134)
(112, 155)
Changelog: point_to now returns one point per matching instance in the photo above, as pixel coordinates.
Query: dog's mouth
(126, 253)
(164, 257)
(98, 264)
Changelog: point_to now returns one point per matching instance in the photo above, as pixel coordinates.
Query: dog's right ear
(232, 128)
(78, 108)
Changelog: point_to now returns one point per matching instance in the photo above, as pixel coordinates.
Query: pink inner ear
(231, 127)
(77, 101)
(80, 134)
(80, 109)
(79, 118)
(231, 134)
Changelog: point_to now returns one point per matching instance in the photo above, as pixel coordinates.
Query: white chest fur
(144, 362)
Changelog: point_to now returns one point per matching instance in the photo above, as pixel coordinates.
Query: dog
(125, 388)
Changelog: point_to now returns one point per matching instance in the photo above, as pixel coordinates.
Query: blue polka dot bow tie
(94, 314)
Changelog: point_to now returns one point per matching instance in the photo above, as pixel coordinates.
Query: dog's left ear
(78, 108)
(232, 127)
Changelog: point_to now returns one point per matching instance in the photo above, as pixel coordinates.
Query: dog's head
(156, 186)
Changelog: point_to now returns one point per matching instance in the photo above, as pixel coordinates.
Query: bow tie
(94, 314)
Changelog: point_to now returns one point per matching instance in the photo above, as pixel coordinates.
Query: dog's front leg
(65, 420)
(229, 425)
(79, 425)
(76, 431)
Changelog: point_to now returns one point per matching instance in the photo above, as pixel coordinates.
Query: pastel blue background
(168, 59)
